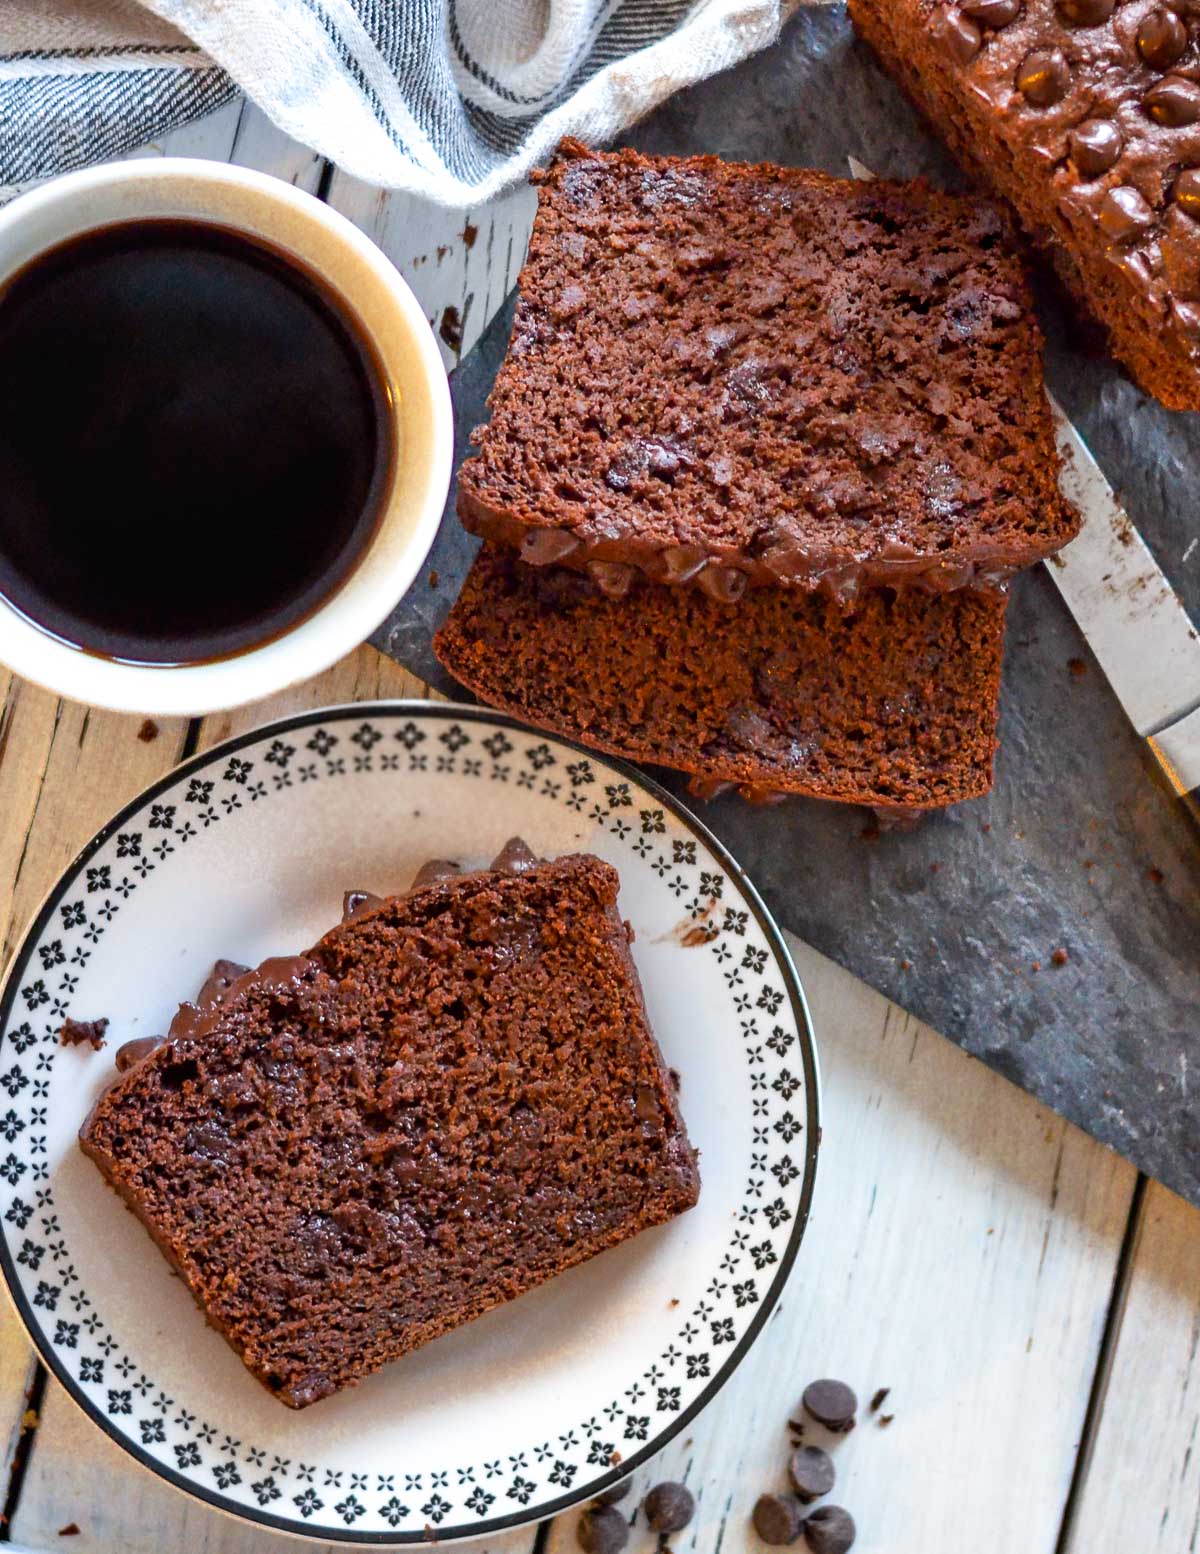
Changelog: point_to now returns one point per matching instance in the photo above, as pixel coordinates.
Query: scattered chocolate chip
(957, 34)
(831, 1403)
(469, 234)
(812, 1473)
(75, 1032)
(878, 1400)
(1095, 146)
(615, 1493)
(1161, 38)
(1059, 957)
(1043, 77)
(148, 733)
(71, 1530)
(778, 1518)
(603, 1530)
(131, 1052)
(992, 13)
(669, 1507)
(885, 1420)
(1085, 13)
(829, 1530)
(1077, 668)
(434, 580)
(451, 328)
(354, 899)
(1124, 215)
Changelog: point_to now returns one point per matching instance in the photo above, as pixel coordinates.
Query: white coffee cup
(374, 292)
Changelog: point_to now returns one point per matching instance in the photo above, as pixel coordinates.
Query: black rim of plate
(459, 712)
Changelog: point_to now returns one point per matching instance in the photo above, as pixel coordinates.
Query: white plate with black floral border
(245, 852)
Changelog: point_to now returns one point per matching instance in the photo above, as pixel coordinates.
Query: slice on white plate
(245, 852)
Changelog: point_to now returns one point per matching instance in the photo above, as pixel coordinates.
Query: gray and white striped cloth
(450, 99)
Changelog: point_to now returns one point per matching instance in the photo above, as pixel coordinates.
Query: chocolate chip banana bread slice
(1085, 115)
(453, 1097)
(728, 374)
(891, 703)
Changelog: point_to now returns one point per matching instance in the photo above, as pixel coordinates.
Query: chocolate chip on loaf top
(891, 702)
(453, 1097)
(1085, 114)
(727, 374)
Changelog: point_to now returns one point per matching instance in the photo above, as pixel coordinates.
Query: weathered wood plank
(1142, 1489)
(960, 1252)
(460, 268)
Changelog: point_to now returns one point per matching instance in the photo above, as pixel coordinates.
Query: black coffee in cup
(195, 442)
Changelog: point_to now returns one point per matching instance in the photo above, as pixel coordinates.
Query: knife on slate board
(1132, 618)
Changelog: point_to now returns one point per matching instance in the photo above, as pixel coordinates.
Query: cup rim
(327, 633)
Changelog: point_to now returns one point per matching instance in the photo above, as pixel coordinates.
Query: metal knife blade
(1130, 615)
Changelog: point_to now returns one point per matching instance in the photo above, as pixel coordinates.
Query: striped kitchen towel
(451, 99)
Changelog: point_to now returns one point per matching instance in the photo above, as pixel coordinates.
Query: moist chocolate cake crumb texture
(724, 374)
(1085, 114)
(454, 1096)
(890, 703)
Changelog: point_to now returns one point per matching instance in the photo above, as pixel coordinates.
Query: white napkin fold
(450, 99)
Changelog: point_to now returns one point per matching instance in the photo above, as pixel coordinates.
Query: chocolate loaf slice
(891, 703)
(452, 1098)
(731, 374)
(1085, 114)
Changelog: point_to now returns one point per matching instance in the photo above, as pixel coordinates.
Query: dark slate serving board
(1077, 848)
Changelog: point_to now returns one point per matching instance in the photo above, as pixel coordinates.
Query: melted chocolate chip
(992, 13)
(1085, 13)
(131, 1052)
(1187, 192)
(1161, 38)
(682, 562)
(612, 578)
(1043, 77)
(1173, 102)
(724, 584)
(355, 900)
(1124, 215)
(218, 982)
(436, 869)
(1186, 317)
(544, 547)
(957, 34)
(515, 857)
(1095, 146)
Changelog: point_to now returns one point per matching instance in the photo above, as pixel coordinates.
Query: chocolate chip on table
(778, 1518)
(74, 1032)
(829, 1530)
(831, 1403)
(812, 1473)
(669, 1507)
(615, 1493)
(603, 1530)
(879, 1400)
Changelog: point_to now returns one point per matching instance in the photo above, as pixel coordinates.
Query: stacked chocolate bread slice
(765, 452)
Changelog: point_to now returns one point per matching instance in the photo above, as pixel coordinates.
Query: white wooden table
(1033, 1305)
